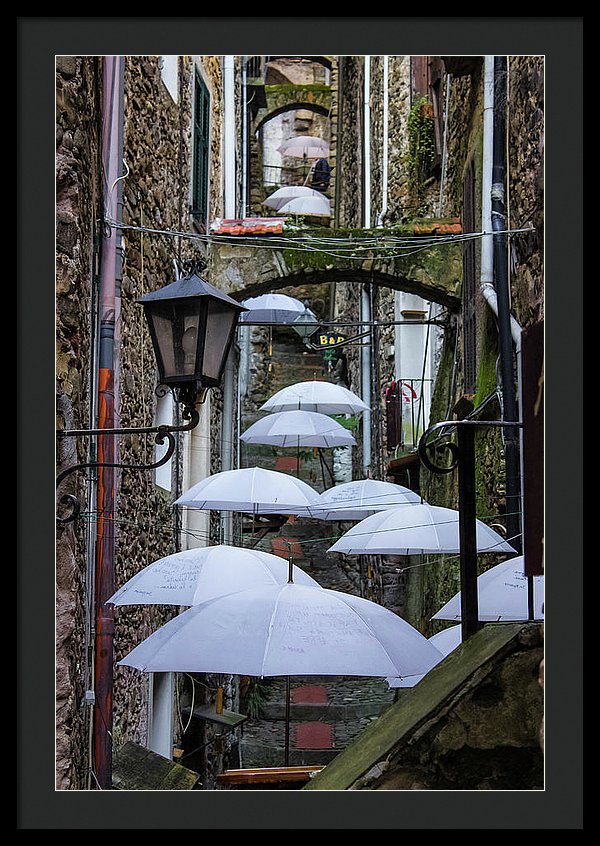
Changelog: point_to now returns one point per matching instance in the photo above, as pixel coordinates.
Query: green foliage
(420, 157)
(347, 422)
(257, 696)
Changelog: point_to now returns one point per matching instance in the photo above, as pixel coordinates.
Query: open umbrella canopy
(286, 193)
(361, 498)
(419, 530)
(196, 575)
(298, 429)
(446, 641)
(315, 395)
(285, 630)
(250, 489)
(318, 205)
(302, 146)
(273, 308)
(502, 595)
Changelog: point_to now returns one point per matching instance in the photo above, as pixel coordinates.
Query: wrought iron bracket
(462, 458)
(441, 446)
(187, 396)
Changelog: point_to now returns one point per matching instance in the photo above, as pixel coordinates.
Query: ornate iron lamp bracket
(441, 446)
(462, 458)
(189, 413)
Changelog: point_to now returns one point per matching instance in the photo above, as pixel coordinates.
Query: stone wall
(526, 185)
(77, 219)
(349, 146)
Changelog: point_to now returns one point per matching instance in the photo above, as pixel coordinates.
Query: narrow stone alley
(326, 713)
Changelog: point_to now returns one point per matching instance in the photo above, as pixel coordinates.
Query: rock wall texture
(77, 217)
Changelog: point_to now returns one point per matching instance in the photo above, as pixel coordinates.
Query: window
(426, 81)
(201, 138)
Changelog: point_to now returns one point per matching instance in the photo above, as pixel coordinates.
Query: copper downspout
(112, 140)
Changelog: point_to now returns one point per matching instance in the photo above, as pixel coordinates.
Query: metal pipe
(365, 372)
(367, 144)
(244, 187)
(384, 171)
(229, 136)
(112, 144)
(227, 440)
(498, 213)
(487, 241)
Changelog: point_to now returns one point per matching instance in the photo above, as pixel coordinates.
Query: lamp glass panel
(219, 323)
(176, 329)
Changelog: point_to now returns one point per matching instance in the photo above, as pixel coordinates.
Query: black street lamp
(192, 326)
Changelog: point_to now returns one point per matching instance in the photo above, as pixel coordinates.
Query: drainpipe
(384, 169)
(111, 257)
(367, 144)
(227, 440)
(227, 391)
(244, 137)
(365, 300)
(493, 162)
(509, 400)
(365, 371)
(229, 136)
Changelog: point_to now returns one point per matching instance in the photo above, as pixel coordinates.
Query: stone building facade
(155, 178)
(369, 108)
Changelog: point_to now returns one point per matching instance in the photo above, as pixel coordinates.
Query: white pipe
(227, 439)
(444, 147)
(384, 172)
(229, 137)
(367, 144)
(365, 372)
(487, 241)
(365, 303)
(244, 138)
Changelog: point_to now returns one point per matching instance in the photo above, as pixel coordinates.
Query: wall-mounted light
(192, 326)
(306, 324)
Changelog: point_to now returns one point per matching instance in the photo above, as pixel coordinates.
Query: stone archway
(246, 268)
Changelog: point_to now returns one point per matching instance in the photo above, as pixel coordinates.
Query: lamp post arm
(162, 433)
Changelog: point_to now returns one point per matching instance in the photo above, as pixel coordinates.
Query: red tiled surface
(313, 736)
(309, 694)
(249, 226)
(451, 227)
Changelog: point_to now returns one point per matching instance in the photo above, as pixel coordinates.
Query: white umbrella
(286, 193)
(446, 641)
(251, 489)
(419, 530)
(298, 428)
(273, 308)
(304, 146)
(315, 395)
(196, 575)
(284, 630)
(361, 498)
(319, 206)
(502, 595)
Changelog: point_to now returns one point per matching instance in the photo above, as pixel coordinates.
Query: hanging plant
(420, 157)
